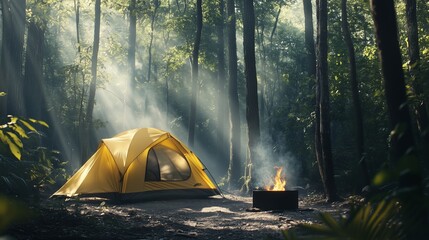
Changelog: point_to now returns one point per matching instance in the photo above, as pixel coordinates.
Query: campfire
(275, 196)
(279, 182)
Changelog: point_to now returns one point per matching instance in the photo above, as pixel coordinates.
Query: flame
(279, 181)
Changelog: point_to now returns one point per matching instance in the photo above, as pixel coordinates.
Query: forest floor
(231, 217)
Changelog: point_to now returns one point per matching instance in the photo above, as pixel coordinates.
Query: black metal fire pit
(275, 200)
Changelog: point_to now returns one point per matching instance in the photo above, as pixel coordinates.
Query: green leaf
(43, 123)
(16, 139)
(15, 150)
(20, 131)
(29, 126)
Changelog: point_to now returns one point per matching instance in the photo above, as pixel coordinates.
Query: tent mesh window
(164, 164)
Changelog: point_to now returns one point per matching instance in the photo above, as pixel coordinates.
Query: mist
(163, 102)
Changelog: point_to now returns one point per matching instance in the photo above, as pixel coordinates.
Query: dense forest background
(91, 69)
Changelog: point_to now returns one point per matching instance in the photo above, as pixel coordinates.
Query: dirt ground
(231, 217)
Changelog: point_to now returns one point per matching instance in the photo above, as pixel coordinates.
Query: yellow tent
(142, 163)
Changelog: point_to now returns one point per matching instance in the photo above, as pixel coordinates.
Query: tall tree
(11, 77)
(326, 163)
(92, 87)
(311, 71)
(355, 92)
(401, 139)
(195, 54)
(132, 43)
(156, 4)
(414, 67)
(33, 78)
(222, 111)
(235, 165)
(309, 38)
(252, 108)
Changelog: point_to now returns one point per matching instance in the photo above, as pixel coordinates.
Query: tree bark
(324, 105)
(33, 79)
(195, 54)
(355, 93)
(314, 84)
(11, 77)
(252, 108)
(89, 126)
(132, 43)
(402, 143)
(152, 28)
(309, 38)
(235, 164)
(77, 17)
(420, 109)
(222, 111)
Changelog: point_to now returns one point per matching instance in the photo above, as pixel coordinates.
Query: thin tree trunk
(235, 164)
(275, 24)
(252, 108)
(324, 106)
(414, 67)
(77, 17)
(132, 44)
(93, 84)
(260, 33)
(317, 140)
(355, 93)
(152, 27)
(195, 54)
(309, 38)
(311, 71)
(401, 138)
(80, 98)
(222, 111)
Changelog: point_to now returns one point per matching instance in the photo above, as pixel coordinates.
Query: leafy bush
(370, 221)
(25, 166)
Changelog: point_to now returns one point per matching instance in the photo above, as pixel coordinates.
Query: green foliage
(369, 221)
(38, 167)
(46, 168)
(12, 133)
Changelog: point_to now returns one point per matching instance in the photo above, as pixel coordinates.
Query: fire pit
(275, 200)
(276, 197)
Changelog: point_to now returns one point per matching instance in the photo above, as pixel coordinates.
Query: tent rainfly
(142, 163)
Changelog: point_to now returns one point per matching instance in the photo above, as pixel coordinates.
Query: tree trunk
(309, 38)
(152, 27)
(314, 85)
(414, 67)
(325, 127)
(33, 79)
(91, 98)
(355, 93)
(195, 53)
(77, 16)
(132, 44)
(401, 138)
(80, 96)
(11, 78)
(252, 108)
(222, 111)
(235, 164)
